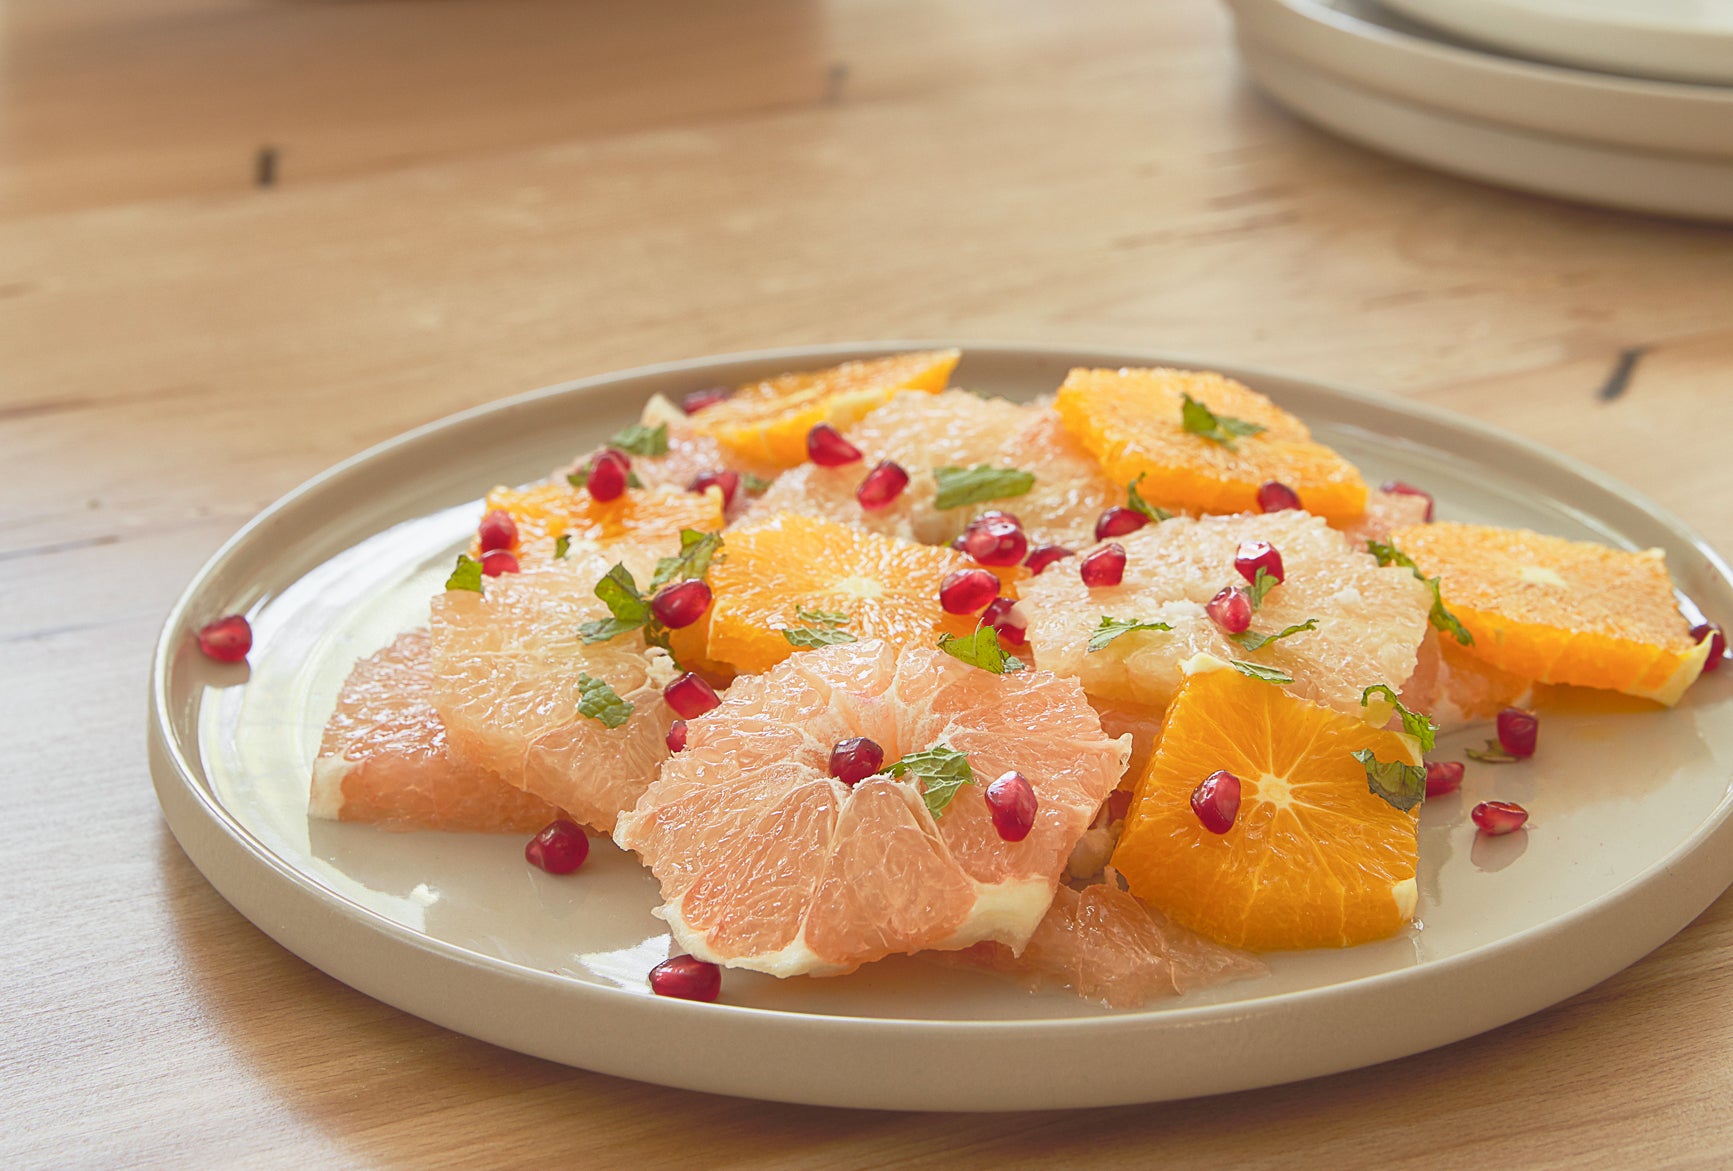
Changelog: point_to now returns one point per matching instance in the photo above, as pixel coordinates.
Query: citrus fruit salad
(1111, 691)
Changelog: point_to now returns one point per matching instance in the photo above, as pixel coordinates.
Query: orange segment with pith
(1132, 421)
(767, 421)
(649, 517)
(775, 576)
(1560, 611)
(1313, 859)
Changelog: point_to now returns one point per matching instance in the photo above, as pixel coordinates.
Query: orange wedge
(1131, 421)
(767, 421)
(652, 517)
(1559, 611)
(1314, 859)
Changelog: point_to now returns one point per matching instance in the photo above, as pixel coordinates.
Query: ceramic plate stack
(1454, 93)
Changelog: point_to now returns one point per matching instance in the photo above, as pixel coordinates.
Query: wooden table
(467, 199)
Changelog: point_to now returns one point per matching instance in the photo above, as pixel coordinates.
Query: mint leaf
(466, 576)
(831, 618)
(601, 702)
(1262, 583)
(1417, 724)
(753, 485)
(697, 551)
(941, 770)
(960, 486)
(1402, 785)
(628, 607)
(1260, 672)
(1440, 618)
(1253, 641)
(1223, 429)
(638, 439)
(580, 477)
(981, 649)
(1134, 500)
(1493, 753)
(805, 637)
(562, 546)
(1112, 628)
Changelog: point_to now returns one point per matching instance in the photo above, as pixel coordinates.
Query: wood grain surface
(469, 198)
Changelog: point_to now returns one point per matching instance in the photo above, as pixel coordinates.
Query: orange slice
(1131, 421)
(640, 516)
(1314, 859)
(1559, 611)
(767, 421)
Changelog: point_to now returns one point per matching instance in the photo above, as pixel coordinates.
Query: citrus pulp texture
(1455, 687)
(650, 517)
(1385, 511)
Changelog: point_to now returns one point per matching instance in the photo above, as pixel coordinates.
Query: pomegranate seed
(967, 590)
(686, 978)
(882, 485)
(1517, 730)
(1276, 496)
(1443, 776)
(855, 759)
(496, 531)
(681, 604)
(1499, 817)
(1217, 801)
(998, 615)
(1231, 609)
(690, 696)
(826, 447)
(995, 542)
(1012, 800)
(1117, 521)
(227, 640)
(1104, 567)
(560, 848)
(997, 514)
(498, 562)
(1256, 555)
(728, 482)
(1041, 556)
(608, 473)
(1402, 489)
(697, 400)
(1717, 643)
(676, 737)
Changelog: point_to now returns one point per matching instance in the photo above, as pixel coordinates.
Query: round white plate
(1633, 819)
(1686, 40)
(1360, 44)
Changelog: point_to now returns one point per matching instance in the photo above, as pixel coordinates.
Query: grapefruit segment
(1386, 511)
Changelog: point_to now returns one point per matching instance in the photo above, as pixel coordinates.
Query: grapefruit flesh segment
(766, 862)
(1131, 421)
(384, 757)
(1559, 611)
(1385, 512)
(507, 666)
(1314, 858)
(1370, 620)
(1456, 688)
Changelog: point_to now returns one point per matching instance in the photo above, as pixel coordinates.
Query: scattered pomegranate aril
(1041, 556)
(1104, 567)
(1011, 799)
(997, 514)
(1118, 804)
(681, 604)
(1217, 801)
(1397, 487)
(498, 562)
(559, 848)
(728, 482)
(1443, 776)
(1517, 731)
(1717, 643)
(1117, 521)
(1499, 817)
(995, 542)
(882, 485)
(826, 447)
(1231, 609)
(855, 759)
(1276, 496)
(1256, 555)
(967, 590)
(686, 978)
(497, 530)
(227, 640)
(998, 615)
(697, 400)
(608, 475)
(690, 696)
(676, 738)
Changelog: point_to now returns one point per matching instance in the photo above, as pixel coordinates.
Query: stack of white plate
(1631, 108)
